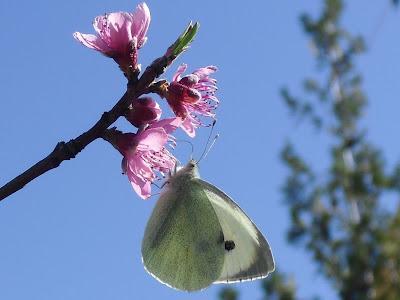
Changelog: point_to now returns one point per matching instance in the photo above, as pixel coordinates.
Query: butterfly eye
(229, 245)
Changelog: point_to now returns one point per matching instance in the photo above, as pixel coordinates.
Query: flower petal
(141, 20)
(188, 127)
(100, 26)
(169, 125)
(140, 174)
(206, 71)
(93, 42)
(152, 139)
(119, 25)
(177, 76)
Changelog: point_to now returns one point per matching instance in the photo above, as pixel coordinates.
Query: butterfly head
(183, 173)
(191, 169)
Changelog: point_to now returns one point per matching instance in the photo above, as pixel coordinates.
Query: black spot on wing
(229, 245)
(263, 262)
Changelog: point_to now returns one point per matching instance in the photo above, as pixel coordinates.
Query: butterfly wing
(183, 242)
(247, 253)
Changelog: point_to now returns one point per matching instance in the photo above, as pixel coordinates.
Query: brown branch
(66, 151)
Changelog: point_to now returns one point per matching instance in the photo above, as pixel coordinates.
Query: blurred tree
(228, 294)
(337, 212)
(278, 287)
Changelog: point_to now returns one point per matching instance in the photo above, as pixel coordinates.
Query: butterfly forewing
(247, 253)
(183, 245)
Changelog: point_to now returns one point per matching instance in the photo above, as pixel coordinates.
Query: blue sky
(75, 232)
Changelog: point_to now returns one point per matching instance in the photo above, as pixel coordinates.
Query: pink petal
(100, 26)
(145, 190)
(141, 168)
(92, 41)
(169, 125)
(177, 76)
(206, 71)
(152, 139)
(141, 20)
(119, 25)
(188, 127)
(140, 175)
(141, 187)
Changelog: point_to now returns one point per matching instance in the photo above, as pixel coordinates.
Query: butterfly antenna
(208, 148)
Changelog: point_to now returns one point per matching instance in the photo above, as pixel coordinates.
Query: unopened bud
(143, 111)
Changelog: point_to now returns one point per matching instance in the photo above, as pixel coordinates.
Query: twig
(66, 151)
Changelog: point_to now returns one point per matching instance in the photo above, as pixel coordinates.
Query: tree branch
(66, 151)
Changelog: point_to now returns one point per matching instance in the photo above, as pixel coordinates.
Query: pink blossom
(145, 152)
(143, 111)
(192, 97)
(119, 35)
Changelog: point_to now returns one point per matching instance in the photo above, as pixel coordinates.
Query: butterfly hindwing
(183, 245)
(247, 253)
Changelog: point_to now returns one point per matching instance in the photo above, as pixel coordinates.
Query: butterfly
(197, 235)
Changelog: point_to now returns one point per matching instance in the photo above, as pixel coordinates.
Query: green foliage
(336, 210)
(278, 287)
(228, 294)
(184, 40)
(339, 220)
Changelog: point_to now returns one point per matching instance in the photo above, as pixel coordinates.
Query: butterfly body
(197, 236)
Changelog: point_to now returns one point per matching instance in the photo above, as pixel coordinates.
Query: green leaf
(183, 41)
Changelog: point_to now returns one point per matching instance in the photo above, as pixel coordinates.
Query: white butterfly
(197, 235)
